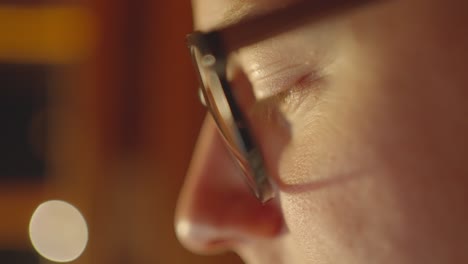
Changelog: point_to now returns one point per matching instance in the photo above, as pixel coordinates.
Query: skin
(368, 149)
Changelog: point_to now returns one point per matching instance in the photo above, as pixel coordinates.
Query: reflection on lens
(208, 60)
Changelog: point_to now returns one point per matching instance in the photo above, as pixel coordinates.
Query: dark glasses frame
(210, 51)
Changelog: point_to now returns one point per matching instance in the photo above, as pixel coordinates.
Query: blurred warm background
(98, 108)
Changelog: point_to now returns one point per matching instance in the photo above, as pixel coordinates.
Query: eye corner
(309, 79)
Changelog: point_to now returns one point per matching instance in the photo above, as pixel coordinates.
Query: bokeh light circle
(58, 231)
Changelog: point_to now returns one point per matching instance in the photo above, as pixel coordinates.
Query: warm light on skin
(58, 231)
(371, 164)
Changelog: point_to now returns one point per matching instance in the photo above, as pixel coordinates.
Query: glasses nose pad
(201, 97)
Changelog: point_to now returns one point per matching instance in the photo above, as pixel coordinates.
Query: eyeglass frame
(216, 45)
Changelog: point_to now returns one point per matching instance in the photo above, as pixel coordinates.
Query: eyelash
(290, 99)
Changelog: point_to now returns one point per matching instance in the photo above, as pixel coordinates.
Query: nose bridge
(216, 208)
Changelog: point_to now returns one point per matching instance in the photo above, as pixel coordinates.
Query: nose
(216, 209)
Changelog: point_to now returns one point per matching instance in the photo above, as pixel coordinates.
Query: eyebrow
(241, 10)
(237, 11)
(243, 26)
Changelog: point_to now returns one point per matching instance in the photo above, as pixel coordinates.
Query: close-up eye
(303, 90)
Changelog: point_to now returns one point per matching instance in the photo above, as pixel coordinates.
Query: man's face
(370, 157)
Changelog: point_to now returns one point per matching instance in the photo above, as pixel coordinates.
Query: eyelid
(289, 97)
(276, 81)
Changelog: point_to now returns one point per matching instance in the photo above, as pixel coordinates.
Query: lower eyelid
(303, 84)
(306, 85)
(307, 80)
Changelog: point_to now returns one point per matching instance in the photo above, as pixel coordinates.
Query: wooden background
(123, 117)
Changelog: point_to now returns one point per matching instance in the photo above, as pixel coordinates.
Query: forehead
(210, 14)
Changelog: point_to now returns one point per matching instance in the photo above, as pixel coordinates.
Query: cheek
(377, 173)
(330, 170)
(338, 204)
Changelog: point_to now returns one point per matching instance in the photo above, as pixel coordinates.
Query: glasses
(210, 51)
